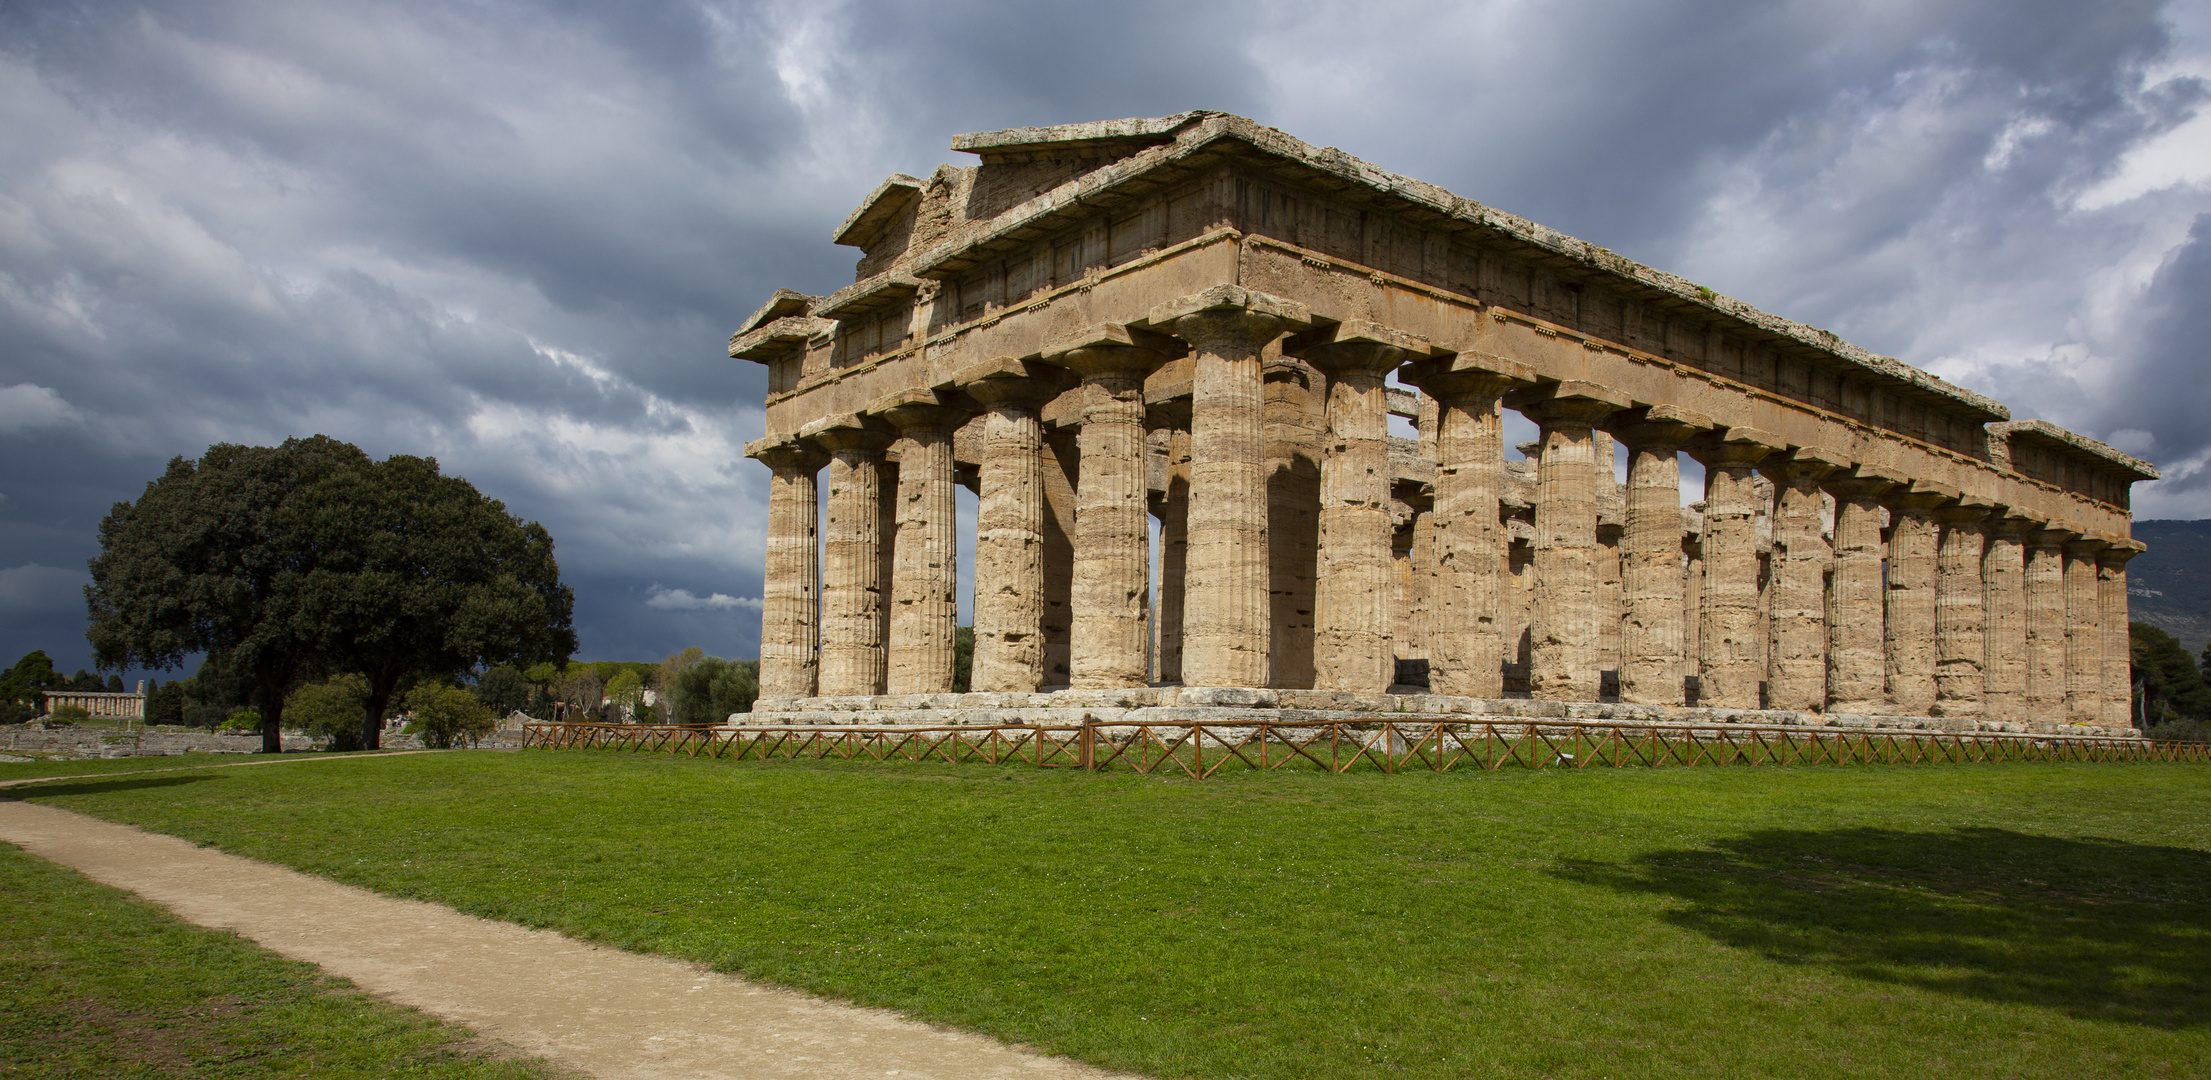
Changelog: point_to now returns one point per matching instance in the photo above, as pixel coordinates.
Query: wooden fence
(1200, 749)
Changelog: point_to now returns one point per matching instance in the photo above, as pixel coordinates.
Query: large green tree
(2168, 684)
(211, 559)
(439, 580)
(308, 559)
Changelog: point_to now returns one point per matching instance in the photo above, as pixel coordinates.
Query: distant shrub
(332, 709)
(67, 714)
(708, 691)
(447, 715)
(242, 720)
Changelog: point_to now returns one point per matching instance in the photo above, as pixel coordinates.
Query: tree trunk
(272, 709)
(381, 686)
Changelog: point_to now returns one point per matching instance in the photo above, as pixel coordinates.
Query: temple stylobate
(1201, 323)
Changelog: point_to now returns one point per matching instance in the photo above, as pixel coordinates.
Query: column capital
(1803, 463)
(1006, 380)
(1571, 402)
(916, 408)
(1659, 427)
(1103, 350)
(1740, 446)
(2082, 546)
(1865, 481)
(2118, 552)
(1466, 376)
(1229, 315)
(2010, 523)
(787, 454)
(1357, 346)
(1922, 497)
(2051, 534)
(847, 431)
(1966, 509)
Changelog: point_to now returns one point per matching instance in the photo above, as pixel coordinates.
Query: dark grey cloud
(514, 235)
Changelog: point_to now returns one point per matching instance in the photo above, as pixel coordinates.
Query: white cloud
(667, 599)
(24, 407)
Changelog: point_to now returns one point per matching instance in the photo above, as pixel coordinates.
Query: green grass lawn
(13, 770)
(97, 984)
(1945, 921)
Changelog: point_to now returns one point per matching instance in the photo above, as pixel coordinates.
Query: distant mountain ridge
(2169, 586)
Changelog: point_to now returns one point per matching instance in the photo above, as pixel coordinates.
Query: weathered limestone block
(1225, 622)
(1796, 672)
(924, 569)
(1857, 670)
(1960, 608)
(1563, 637)
(2111, 602)
(790, 617)
(1353, 624)
(2045, 599)
(2004, 644)
(1467, 651)
(1653, 653)
(2084, 644)
(1009, 526)
(1112, 529)
(852, 656)
(1914, 541)
(1729, 646)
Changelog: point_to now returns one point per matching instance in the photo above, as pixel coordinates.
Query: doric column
(1960, 607)
(2084, 642)
(2111, 605)
(1173, 510)
(2045, 598)
(790, 616)
(1009, 525)
(1112, 568)
(852, 656)
(924, 558)
(1466, 652)
(2004, 634)
(1796, 664)
(1357, 578)
(1226, 618)
(1914, 543)
(1728, 668)
(1652, 655)
(1562, 654)
(1857, 675)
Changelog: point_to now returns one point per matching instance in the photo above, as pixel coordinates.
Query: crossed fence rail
(1200, 749)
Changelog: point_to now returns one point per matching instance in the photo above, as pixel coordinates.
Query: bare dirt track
(601, 1011)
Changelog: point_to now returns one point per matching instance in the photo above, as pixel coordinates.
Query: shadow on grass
(2095, 929)
(94, 786)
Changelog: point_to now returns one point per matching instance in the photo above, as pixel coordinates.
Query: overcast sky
(517, 236)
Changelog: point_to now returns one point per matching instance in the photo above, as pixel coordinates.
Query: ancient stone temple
(1201, 322)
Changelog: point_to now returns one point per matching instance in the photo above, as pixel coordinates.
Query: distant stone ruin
(1195, 319)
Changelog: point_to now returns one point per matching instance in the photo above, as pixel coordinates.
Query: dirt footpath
(598, 1010)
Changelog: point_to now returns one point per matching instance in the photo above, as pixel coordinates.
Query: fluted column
(1796, 665)
(2045, 598)
(2111, 604)
(924, 567)
(1562, 654)
(1466, 652)
(790, 610)
(2004, 643)
(1914, 544)
(1728, 666)
(1009, 526)
(1174, 556)
(1960, 608)
(1652, 655)
(1356, 597)
(1112, 570)
(853, 660)
(2084, 644)
(1226, 618)
(1857, 674)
